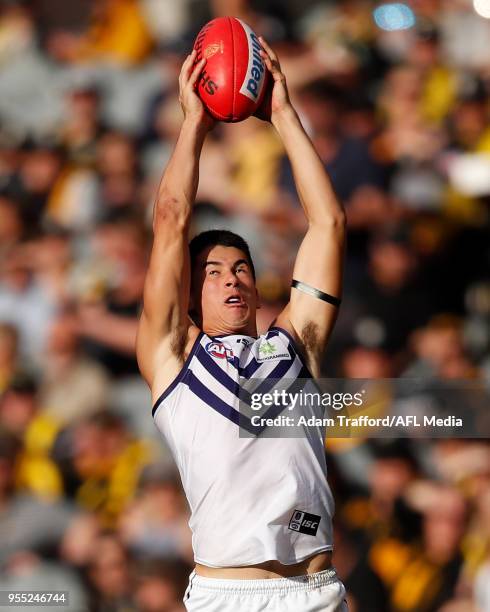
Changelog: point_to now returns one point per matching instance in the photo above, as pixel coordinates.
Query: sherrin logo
(254, 77)
(211, 50)
(219, 350)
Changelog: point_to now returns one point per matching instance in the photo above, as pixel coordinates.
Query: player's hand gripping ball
(234, 79)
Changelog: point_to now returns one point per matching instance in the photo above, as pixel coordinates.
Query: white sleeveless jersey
(252, 499)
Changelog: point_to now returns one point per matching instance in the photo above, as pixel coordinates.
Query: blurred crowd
(89, 499)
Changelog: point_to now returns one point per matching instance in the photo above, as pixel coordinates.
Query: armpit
(179, 342)
(309, 336)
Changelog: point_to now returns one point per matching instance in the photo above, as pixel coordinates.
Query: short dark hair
(213, 238)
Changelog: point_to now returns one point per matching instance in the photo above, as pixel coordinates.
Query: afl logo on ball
(211, 50)
(219, 350)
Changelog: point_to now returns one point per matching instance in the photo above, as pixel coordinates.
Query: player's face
(224, 293)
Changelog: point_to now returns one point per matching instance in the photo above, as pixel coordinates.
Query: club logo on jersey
(303, 522)
(211, 50)
(269, 351)
(219, 350)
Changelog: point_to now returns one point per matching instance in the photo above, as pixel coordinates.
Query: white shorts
(320, 592)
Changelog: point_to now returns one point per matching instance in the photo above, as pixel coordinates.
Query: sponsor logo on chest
(270, 350)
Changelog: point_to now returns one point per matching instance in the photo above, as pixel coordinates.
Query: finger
(267, 61)
(188, 62)
(196, 73)
(183, 71)
(273, 67)
(268, 50)
(274, 62)
(187, 66)
(264, 110)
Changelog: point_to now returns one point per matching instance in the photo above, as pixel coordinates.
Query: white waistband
(260, 587)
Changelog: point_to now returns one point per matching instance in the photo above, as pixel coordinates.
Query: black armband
(321, 295)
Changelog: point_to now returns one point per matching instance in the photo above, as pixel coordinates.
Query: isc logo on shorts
(304, 522)
(219, 350)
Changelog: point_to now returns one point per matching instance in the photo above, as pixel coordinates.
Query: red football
(234, 79)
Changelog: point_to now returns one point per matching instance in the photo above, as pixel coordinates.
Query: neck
(246, 330)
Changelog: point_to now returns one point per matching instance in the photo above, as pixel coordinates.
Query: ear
(257, 303)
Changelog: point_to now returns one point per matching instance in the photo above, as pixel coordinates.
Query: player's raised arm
(317, 277)
(164, 324)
